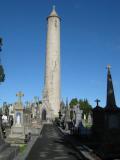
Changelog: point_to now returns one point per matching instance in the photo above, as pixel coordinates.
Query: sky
(90, 39)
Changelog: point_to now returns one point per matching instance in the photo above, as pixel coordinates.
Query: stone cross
(19, 95)
(97, 101)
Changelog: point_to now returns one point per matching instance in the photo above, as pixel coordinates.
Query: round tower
(52, 68)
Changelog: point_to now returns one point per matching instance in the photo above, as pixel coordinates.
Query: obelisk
(52, 68)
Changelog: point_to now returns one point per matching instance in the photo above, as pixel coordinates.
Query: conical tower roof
(53, 13)
(110, 103)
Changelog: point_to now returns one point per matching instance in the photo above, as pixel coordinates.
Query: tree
(2, 75)
(85, 106)
(73, 102)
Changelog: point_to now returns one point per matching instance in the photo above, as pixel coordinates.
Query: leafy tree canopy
(2, 75)
(84, 105)
(73, 102)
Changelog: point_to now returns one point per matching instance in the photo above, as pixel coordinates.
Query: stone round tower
(52, 68)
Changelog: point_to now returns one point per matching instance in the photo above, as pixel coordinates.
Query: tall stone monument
(51, 94)
(18, 129)
(106, 123)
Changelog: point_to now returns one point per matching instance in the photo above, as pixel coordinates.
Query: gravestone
(90, 120)
(76, 118)
(11, 110)
(106, 122)
(78, 115)
(38, 107)
(11, 114)
(17, 134)
(6, 151)
(36, 119)
(85, 126)
(98, 121)
(1, 134)
(27, 119)
(67, 118)
(33, 108)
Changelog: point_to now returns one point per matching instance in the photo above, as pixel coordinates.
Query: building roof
(53, 13)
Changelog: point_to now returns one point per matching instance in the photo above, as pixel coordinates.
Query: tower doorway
(44, 115)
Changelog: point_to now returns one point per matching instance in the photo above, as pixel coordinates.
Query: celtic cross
(19, 95)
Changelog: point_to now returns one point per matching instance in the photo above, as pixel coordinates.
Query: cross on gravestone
(97, 101)
(19, 95)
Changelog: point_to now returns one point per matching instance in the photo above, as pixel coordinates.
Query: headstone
(17, 134)
(98, 121)
(106, 122)
(1, 134)
(33, 108)
(90, 120)
(11, 114)
(27, 120)
(36, 118)
(11, 110)
(78, 115)
(67, 118)
(37, 107)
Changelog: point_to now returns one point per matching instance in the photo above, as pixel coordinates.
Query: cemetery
(26, 127)
(96, 129)
(49, 128)
(100, 130)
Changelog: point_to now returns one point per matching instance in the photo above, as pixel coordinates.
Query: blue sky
(90, 39)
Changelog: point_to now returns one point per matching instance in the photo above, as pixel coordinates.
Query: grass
(22, 147)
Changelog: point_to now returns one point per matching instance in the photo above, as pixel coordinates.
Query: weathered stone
(51, 95)
(17, 134)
